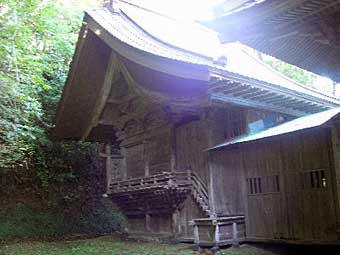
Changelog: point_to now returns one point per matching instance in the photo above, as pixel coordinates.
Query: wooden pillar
(124, 167)
(335, 172)
(173, 154)
(212, 204)
(147, 222)
(108, 167)
(146, 159)
(176, 227)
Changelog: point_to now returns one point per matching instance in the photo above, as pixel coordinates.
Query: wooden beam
(249, 91)
(288, 102)
(235, 90)
(263, 95)
(270, 98)
(259, 105)
(313, 97)
(282, 98)
(103, 95)
(222, 87)
(257, 93)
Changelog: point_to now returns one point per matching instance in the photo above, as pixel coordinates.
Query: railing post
(170, 182)
(189, 174)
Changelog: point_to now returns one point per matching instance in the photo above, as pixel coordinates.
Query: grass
(113, 246)
(100, 246)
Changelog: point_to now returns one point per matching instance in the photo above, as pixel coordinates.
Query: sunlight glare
(189, 10)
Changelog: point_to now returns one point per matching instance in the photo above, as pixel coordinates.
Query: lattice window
(315, 179)
(263, 184)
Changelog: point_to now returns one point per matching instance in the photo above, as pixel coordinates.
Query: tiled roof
(124, 28)
(190, 36)
(151, 33)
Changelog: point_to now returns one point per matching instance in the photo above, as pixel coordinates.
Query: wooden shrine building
(157, 92)
(285, 180)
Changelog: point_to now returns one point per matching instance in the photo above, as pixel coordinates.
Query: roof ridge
(194, 23)
(130, 19)
(146, 9)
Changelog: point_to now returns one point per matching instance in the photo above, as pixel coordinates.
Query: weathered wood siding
(149, 153)
(289, 187)
(188, 212)
(191, 141)
(158, 153)
(226, 183)
(136, 223)
(161, 223)
(135, 163)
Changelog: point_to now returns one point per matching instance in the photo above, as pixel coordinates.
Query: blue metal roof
(309, 121)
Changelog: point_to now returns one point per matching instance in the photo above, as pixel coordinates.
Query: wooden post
(148, 222)
(211, 188)
(216, 247)
(147, 168)
(124, 168)
(235, 234)
(196, 234)
(217, 234)
(173, 149)
(175, 223)
(335, 173)
(108, 167)
(146, 159)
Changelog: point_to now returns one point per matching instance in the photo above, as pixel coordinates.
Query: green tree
(36, 45)
(295, 73)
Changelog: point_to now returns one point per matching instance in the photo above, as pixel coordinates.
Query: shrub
(25, 222)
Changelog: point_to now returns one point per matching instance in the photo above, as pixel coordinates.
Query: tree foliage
(36, 45)
(52, 179)
(295, 73)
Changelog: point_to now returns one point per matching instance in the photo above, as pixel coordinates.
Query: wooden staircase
(200, 193)
(159, 193)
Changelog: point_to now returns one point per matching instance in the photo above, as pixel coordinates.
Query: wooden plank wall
(188, 212)
(191, 141)
(265, 216)
(136, 223)
(135, 163)
(227, 174)
(158, 152)
(301, 207)
(148, 153)
(161, 223)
